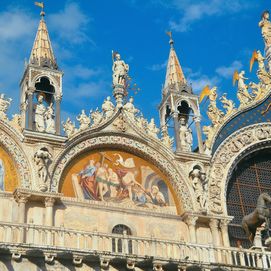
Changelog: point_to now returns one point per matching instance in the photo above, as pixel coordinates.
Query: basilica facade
(115, 191)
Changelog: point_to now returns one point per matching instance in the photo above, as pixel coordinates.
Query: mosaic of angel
(109, 176)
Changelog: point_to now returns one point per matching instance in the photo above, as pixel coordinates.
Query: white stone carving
(49, 119)
(69, 127)
(120, 70)
(108, 108)
(186, 139)
(4, 105)
(198, 179)
(227, 155)
(152, 130)
(130, 108)
(42, 159)
(84, 121)
(39, 115)
(96, 117)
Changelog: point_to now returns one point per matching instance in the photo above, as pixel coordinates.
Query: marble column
(199, 135)
(49, 214)
(224, 232)
(176, 131)
(191, 223)
(22, 203)
(57, 114)
(30, 110)
(215, 232)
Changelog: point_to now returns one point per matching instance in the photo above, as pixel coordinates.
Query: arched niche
(119, 177)
(237, 146)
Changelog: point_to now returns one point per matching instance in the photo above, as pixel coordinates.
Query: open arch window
(122, 244)
(250, 178)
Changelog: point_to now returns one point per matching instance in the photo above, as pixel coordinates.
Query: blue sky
(212, 39)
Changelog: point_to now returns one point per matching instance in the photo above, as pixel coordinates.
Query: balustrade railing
(127, 245)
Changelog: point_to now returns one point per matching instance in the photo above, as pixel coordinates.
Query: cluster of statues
(44, 117)
(91, 120)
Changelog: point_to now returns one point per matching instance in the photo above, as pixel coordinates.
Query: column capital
(197, 118)
(191, 220)
(224, 223)
(21, 197)
(213, 223)
(58, 98)
(49, 201)
(30, 90)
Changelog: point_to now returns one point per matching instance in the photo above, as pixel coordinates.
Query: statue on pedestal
(120, 70)
(49, 119)
(42, 159)
(185, 135)
(198, 179)
(40, 110)
(265, 25)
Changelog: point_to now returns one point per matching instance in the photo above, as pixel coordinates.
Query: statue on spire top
(120, 70)
(265, 25)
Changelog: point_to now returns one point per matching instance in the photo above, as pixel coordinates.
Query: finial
(171, 42)
(41, 5)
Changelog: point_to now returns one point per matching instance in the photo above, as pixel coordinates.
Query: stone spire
(174, 73)
(42, 52)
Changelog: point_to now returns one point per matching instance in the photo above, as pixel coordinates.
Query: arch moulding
(163, 162)
(9, 140)
(228, 155)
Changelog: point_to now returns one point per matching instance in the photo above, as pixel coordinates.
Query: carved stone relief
(226, 157)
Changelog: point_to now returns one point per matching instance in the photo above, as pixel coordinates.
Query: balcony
(54, 242)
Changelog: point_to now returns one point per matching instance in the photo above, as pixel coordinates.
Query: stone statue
(4, 105)
(260, 215)
(84, 121)
(215, 115)
(42, 159)
(260, 59)
(96, 117)
(120, 70)
(152, 129)
(108, 107)
(242, 92)
(227, 104)
(166, 139)
(16, 122)
(198, 179)
(213, 96)
(265, 25)
(69, 127)
(49, 120)
(130, 108)
(39, 115)
(141, 122)
(185, 133)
